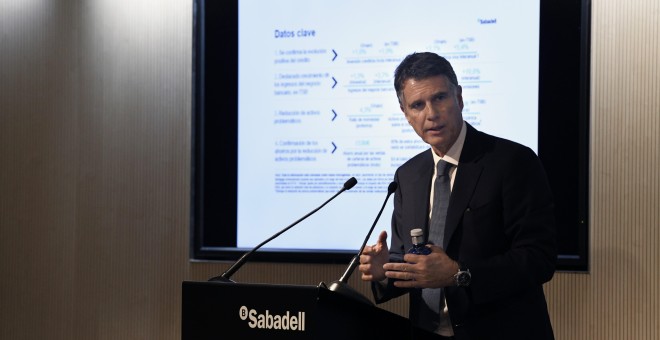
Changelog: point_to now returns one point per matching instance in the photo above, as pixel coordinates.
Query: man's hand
(373, 258)
(434, 270)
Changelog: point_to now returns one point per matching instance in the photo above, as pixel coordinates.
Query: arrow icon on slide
(335, 57)
(335, 84)
(334, 115)
(334, 147)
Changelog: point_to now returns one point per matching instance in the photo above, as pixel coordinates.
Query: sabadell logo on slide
(288, 321)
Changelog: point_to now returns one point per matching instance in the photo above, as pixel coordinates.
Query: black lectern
(220, 310)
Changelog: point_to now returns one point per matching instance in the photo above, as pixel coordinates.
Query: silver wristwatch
(463, 277)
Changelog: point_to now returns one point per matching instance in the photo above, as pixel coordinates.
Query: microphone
(225, 277)
(341, 286)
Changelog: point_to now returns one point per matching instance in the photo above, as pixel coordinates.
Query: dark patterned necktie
(430, 309)
(441, 192)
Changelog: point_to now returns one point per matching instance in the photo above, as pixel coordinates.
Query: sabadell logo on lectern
(288, 321)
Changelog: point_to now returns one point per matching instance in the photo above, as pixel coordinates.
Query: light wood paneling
(95, 151)
(620, 297)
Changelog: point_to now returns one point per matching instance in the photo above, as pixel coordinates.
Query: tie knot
(443, 168)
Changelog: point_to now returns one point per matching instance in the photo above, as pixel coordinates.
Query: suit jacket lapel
(467, 177)
(422, 185)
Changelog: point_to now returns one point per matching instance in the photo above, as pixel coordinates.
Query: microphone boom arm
(341, 286)
(356, 259)
(229, 272)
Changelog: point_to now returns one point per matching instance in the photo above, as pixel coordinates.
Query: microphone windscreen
(392, 187)
(350, 183)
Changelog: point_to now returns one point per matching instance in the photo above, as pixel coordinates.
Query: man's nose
(431, 112)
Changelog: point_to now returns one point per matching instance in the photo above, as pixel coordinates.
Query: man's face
(434, 107)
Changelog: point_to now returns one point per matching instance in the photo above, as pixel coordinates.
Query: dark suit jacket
(500, 225)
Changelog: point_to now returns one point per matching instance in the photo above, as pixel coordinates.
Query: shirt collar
(454, 154)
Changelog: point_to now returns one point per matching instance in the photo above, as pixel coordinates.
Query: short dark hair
(422, 65)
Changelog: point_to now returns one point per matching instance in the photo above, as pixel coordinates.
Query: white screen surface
(317, 104)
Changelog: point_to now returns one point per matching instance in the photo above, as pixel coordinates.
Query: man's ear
(404, 113)
(459, 96)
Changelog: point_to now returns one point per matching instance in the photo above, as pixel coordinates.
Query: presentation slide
(317, 104)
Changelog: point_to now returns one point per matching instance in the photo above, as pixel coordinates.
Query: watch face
(463, 278)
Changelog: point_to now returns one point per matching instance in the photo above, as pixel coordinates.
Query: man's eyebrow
(415, 102)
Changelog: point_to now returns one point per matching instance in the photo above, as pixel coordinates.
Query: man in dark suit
(497, 245)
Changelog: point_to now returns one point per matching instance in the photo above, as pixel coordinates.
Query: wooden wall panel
(95, 150)
(619, 298)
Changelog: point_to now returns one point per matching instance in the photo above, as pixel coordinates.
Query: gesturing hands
(434, 270)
